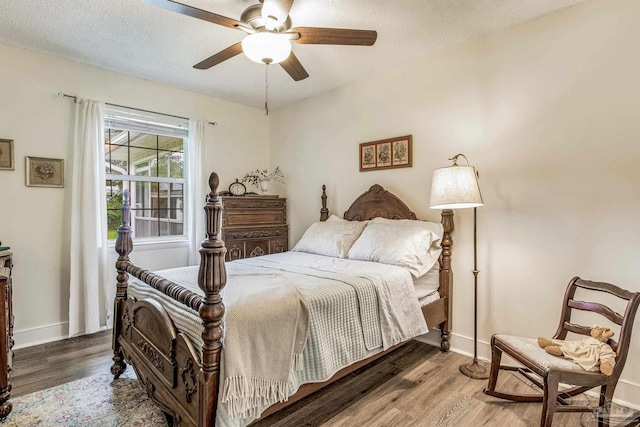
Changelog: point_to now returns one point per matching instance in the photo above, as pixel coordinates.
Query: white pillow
(330, 238)
(407, 243)
(435, 227)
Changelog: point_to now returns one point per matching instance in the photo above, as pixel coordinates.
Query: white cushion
(412, 244)
(529, 348)
(330, 238)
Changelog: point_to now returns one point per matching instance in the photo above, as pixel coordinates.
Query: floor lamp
(456, 187)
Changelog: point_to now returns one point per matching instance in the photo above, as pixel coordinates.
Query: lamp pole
(475, 286)
(475, 370)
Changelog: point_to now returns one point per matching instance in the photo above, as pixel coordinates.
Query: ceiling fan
(269, 34)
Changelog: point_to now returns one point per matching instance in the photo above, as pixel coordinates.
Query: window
(145, 153)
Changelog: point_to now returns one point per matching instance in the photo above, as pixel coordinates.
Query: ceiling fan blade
(276, 9)
(336, 36)
(219, 57)
(294, 68)
(184, 9)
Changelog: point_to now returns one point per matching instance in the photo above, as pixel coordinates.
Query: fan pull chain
(266, 90)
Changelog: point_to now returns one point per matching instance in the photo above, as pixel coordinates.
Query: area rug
(94, 401)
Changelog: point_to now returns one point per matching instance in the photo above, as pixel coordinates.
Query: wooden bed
(182, 379)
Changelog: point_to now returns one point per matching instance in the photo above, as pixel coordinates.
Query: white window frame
(133, 120)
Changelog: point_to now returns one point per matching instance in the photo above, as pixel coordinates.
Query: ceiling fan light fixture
(266, 48)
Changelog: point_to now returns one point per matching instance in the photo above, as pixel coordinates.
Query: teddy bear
(590, 352)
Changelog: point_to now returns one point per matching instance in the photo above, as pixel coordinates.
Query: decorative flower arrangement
(258, 175)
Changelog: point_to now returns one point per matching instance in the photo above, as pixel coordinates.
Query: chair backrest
(625, 321)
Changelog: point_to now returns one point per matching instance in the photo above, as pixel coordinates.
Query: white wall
(549, 113)
(34, 221)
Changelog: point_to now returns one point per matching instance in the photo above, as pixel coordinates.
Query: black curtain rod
(75, 99)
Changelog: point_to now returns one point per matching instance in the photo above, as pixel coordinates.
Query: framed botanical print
(386, 154)
(43, 172)
(6, 154)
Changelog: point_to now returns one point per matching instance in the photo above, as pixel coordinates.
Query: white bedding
(433, 296)
(348, 321)
(428, 283)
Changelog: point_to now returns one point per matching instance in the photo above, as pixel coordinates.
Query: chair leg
(551, 383)
(606, 395)
(496, 356)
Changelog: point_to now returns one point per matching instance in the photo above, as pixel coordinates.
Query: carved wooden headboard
(374, 203)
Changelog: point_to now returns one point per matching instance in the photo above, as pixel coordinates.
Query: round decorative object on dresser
(237, 188)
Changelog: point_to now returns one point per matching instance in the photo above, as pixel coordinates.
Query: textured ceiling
(134, 38)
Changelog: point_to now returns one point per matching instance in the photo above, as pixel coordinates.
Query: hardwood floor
(48, 365)
(414, 386)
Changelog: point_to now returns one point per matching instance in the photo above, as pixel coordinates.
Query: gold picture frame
(44, 172)
(386, 154)
(6, 155)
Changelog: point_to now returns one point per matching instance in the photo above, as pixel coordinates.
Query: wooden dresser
(6, 332)
(254, 226)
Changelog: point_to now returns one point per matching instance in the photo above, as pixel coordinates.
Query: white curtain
(196, 192)
(90, 301)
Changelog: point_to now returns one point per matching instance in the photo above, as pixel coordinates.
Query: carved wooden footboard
(165, 361)
(175, 375)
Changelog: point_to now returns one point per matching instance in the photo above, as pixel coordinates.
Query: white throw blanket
(389, 311)
(262, 353)
(397, 315)
(266, 328)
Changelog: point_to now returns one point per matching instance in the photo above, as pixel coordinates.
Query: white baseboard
(627, 393)
(40, 335)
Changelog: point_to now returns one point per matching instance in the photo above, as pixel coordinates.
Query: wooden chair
(553, 370)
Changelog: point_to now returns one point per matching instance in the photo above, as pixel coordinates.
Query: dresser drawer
(253, 211)
(233, 218)
(257, 203)
(231, 235)
(249, 248)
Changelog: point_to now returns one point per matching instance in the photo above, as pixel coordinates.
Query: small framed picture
(43, 172)
(367, 157)
(6, 154)
(383, 151)
(386, 153)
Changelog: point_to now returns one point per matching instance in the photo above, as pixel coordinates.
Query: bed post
(324, 212)
(212, 277)
(446, 277)
(124, 246)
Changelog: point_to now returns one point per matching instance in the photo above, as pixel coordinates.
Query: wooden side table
(6, 332)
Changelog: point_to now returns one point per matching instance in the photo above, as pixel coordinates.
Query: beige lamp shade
(455, 187)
